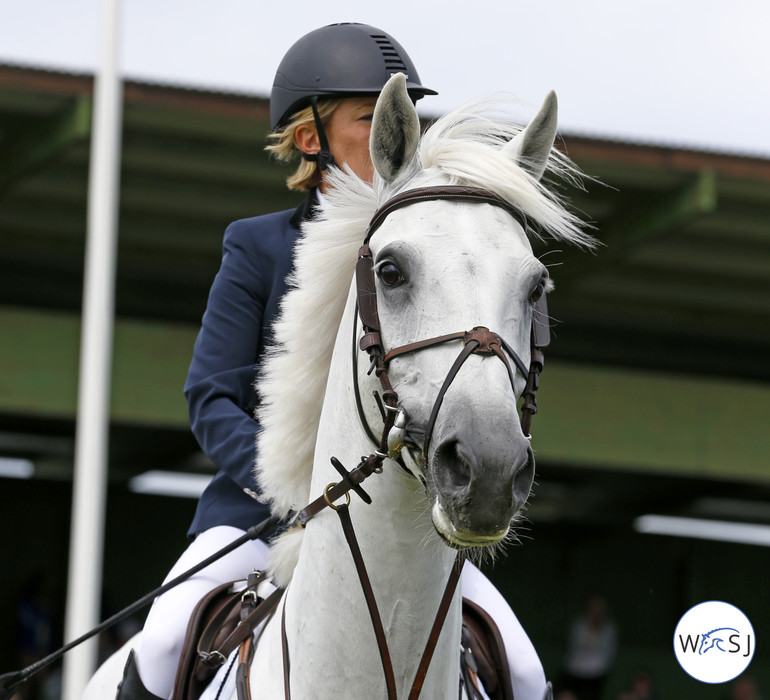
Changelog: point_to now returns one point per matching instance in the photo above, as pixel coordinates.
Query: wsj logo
(714, 642)
(717, 639)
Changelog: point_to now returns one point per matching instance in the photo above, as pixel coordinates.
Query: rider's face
(347, 131)
(348, 134)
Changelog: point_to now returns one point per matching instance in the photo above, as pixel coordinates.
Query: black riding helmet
(339, 60)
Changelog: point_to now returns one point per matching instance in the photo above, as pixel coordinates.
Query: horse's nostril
(454, 475)
(522, 480)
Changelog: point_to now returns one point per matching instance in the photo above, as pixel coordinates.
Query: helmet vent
(393, 60)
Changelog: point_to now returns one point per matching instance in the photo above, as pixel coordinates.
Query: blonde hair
(284, 145)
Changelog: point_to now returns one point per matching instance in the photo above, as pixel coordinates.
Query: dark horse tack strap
(438, 623)
(367, 295)
(374, 615)
(462, 193)
(371, 603)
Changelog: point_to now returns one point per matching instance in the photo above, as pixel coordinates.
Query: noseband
(479, 340)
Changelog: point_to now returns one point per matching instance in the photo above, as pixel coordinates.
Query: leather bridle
(479, 340)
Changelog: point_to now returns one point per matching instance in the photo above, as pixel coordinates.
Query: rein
(351, 481)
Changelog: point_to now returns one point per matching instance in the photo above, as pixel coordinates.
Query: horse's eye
(389, 274)
(537, 292)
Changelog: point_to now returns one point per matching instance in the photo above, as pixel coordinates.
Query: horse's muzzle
(476, 494)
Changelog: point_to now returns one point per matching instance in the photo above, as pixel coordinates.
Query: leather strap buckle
(213, 659)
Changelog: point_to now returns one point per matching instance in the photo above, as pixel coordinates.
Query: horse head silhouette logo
(708, 642)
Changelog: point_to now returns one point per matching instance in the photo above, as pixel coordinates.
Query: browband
(459, 193)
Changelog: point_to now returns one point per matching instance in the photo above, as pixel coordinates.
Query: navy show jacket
(243, 302)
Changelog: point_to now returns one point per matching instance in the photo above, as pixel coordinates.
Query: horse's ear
(531, 148)
(395, 129)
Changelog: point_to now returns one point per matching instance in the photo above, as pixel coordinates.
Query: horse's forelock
(465, 147)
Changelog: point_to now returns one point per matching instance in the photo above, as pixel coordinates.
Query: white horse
(440, 266)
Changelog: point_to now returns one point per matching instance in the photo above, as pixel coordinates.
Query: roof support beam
(641, 223)
(45, 141)
(647, 220)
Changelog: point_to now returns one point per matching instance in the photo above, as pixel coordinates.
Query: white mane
(462, 147)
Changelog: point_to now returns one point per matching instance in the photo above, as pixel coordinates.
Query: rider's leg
(527, 675)
(160, 645)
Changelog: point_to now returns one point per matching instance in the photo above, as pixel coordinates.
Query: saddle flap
(214, 618)
(222, 621)
(192, 675)
(488, 650)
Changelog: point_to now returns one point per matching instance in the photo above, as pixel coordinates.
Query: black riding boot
(131, 687)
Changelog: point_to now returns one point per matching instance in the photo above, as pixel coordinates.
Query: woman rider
(321, 107)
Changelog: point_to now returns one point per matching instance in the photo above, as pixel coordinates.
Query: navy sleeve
(219, 385)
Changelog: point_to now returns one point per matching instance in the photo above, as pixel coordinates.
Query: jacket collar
(306, 210)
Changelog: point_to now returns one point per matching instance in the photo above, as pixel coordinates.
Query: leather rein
(394, 436)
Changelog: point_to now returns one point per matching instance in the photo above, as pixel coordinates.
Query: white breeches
(158, 652)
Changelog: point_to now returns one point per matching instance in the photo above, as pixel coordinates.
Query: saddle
(483, 657)
(225, 619)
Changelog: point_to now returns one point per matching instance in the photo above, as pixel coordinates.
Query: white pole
(91, 434)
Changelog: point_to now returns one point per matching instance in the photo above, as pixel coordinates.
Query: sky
(683, 73)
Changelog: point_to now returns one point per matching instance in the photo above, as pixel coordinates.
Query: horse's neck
(328, 625)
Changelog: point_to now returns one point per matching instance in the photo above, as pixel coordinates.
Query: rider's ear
(306, 138)
(531, 148)
(395, 129)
